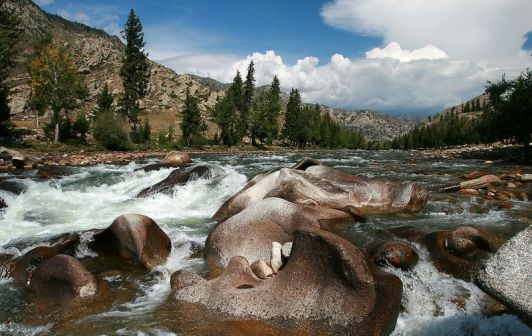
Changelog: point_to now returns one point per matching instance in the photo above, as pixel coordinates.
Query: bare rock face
(135, 239)
(326, 288)
(327, 187)
(507, 275)
(178, 177)
(62, 279)
(251, 232)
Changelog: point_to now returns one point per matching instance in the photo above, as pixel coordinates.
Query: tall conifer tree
(249, 91)
(135, 68)
(192, 124)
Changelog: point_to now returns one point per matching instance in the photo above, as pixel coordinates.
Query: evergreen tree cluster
(244, 112)
(449, 129)
(507, 116)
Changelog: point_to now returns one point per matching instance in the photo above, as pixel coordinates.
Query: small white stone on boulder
(276, 259)
(287, 249)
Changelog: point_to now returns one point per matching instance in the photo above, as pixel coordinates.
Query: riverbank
(498, 153)
(80, 156)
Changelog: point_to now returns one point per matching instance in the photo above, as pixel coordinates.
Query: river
(93, 196)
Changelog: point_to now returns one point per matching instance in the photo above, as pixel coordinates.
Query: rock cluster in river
(274, 257)
(325, 281)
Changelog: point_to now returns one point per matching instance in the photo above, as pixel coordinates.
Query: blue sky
(396, 56)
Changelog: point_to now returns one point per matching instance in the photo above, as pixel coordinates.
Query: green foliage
(9, 37)
(249, 92)
(56, 85)
(292, 117)
(104, 101)
(140, 133)
(110, 130)
(509, 112)
(135, 69)
(192, 125)
(81, 127)
(265, 114)
(226, 114)
(447, 130)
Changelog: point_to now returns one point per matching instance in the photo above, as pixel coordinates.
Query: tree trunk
(37, 120)
(56, 133)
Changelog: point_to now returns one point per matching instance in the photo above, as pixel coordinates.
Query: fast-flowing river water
(434, 303)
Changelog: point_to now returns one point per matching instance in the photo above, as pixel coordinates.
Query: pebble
(286, 249)
(261, 269)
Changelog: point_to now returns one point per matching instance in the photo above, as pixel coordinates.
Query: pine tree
(192, 124)
(57, 85)
(265, 113)
(9, 36)
(293, 111)
(249, 91)
(135, 68)
(104, 101)
(226, 114)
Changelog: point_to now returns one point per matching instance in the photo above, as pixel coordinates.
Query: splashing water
(434, 303)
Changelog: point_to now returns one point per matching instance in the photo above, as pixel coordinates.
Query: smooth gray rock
(507, 276)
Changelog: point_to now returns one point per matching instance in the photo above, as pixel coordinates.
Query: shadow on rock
(326, 288)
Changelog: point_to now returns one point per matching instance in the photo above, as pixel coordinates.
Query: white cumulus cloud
(492, 31)
(426, 83)
(394, 50)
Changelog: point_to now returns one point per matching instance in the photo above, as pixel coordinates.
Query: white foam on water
(15, 329)
(437, 304)
(54, 207)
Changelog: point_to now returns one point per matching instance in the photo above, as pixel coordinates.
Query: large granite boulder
(62, 279)
(326, 288)
(250, 233)
(507, 276)
(134, 238)
(177, 177)
(327, 187)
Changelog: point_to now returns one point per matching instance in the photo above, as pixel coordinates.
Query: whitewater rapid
(92, 197)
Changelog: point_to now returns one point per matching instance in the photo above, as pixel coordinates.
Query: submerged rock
(457, 252)
(397, 254)
(327, 187)
(3, 203)
(53, 172)
(11, 186)
(326, 288)
(507, 275)
(178, 177)
(251, 232)
(135, 239)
